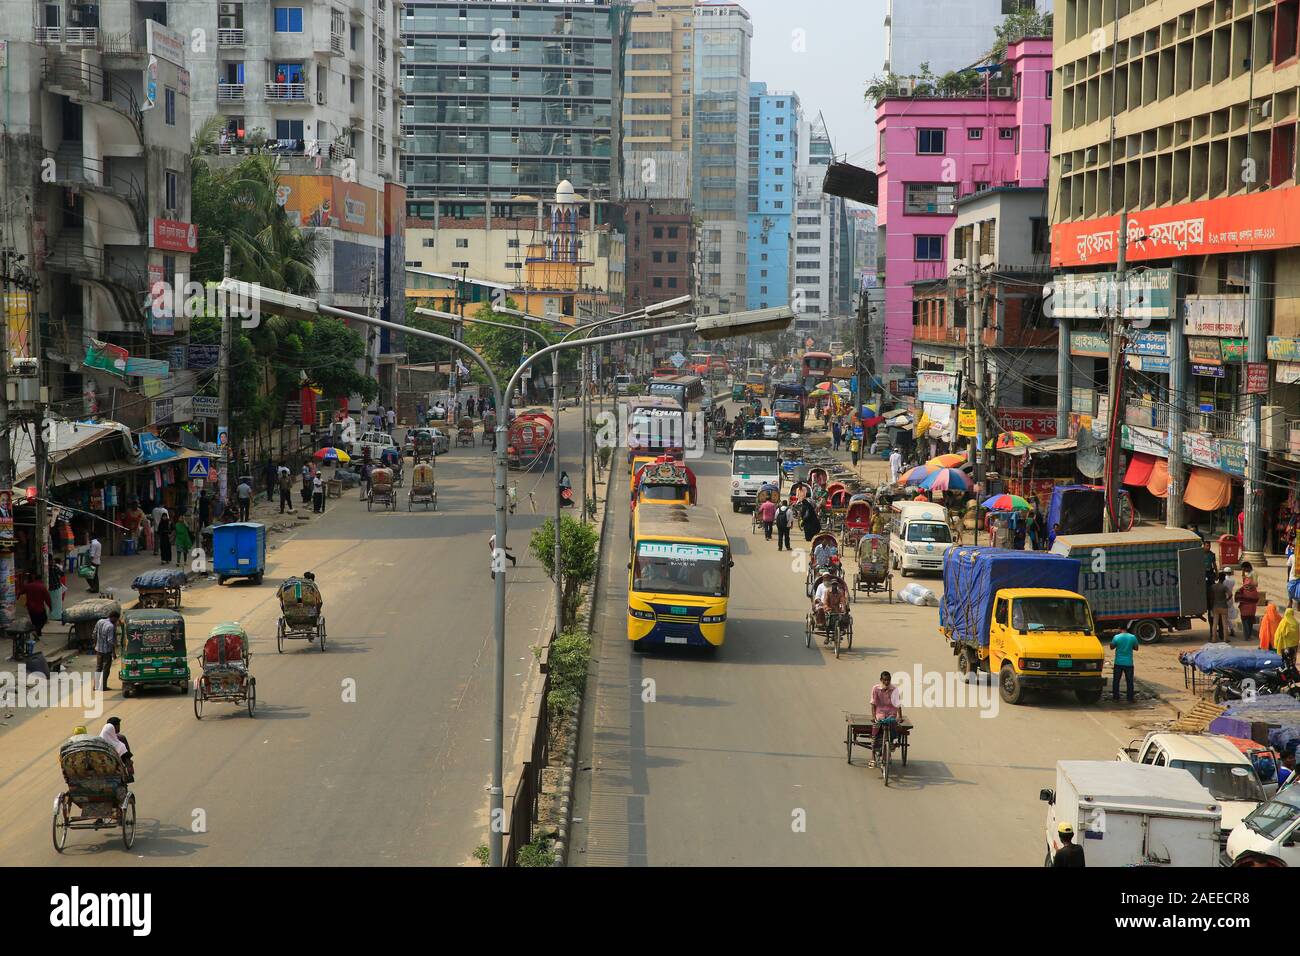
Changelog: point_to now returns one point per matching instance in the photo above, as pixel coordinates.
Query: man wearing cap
(1070, 853)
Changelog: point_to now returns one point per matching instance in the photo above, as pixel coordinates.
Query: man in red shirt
(38, 603)
(885, 704)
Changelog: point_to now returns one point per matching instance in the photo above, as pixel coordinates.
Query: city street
(399, 775)
(740, 758)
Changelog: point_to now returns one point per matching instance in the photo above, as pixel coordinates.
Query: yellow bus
(679, 577)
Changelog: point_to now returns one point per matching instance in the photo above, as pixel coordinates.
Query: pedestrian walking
(837, 432)
(1247, 598)
(855, 449)
(165, 539)
(1220, 598)
(1070, 853)
(306, 483)
(1287, 637)
(205, 509)
(492, 549)
(767, 514)
(184, 541)
(268, 476)
(318, 495)
(244, 494)
(1125, 644)
(96, 558)
(105, 646)
(895, 465)
(809, 520)
(1268, 627)
(783, 519)
(38, 604)
(286, 492)
(1211, 571)
(155, 517)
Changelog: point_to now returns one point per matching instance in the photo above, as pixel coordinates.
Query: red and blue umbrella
(915, 476)
(946, 479)
(334, 455)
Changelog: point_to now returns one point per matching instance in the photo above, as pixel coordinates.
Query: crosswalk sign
(199, 467)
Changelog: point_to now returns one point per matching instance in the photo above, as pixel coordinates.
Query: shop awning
(1158, 482)
(1208, 490)
(72, 474)
(1139, 471)
(1047, 446)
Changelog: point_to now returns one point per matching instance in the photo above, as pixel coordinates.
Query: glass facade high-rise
(719, 161)
(510, 98)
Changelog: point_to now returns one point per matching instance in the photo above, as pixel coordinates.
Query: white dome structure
(564, 192)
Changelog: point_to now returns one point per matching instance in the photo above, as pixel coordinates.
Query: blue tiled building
(773, 156)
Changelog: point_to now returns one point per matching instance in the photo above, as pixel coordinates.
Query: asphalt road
(739, 759)
(374, 752)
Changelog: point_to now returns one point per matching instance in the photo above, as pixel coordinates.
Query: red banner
(1234, 224)
(1035, 422)
(173, 235)
(1256, 378)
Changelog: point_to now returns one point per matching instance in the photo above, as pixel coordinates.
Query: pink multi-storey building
(934, 150)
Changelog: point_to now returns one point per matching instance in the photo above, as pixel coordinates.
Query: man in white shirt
(822, 554)
(392, 420)
(895, 466)
(96, 557)
(245, 495)
(318, 494)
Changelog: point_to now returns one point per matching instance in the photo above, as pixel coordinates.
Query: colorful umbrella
(1013, 440)
(1006, 503)
(826, 385)
(335, 455)
(818, 392)
(948, 461)
(915, 476)
(946, 479)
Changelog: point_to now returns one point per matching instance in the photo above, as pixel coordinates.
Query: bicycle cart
(159, 588)
(857, 733)
(423, 489)
(98, 787)
(834, 623)
(225, 662)
(301, 613)
(871, 574)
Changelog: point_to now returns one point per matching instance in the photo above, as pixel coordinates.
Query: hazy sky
(844, 46)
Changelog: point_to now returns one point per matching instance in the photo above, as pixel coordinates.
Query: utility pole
(7, 596)
(1115, 409)
(975, 324)
(223, 364)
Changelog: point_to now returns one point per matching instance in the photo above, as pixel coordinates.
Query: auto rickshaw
(738, 393)
(153, 654)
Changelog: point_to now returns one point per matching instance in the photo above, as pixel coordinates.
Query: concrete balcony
(72, 36)
(230, 37)
(95, 89)
(230, 92)
(285, 92)
(118, 196)
(337, 46)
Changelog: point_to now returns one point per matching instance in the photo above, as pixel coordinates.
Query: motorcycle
(1232, 683)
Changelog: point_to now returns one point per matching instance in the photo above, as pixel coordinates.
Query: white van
(372, 445)
(753, 464)
(1271, 829)
(919, 535)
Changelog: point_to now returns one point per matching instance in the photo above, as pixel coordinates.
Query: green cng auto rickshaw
(154, 651)
(738, 393)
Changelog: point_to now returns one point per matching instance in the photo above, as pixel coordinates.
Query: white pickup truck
(372, 444)
(1216, 762)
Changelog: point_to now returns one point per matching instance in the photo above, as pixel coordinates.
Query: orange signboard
(329, 201)
(1264, 220)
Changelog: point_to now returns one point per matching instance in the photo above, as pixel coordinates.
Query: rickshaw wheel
(279, 636)
(808, 630)
(320, 633)
(59, 826)
(835, 636)
(198, 699)
(903, 746)
(369, 503)
(252, 695)
(849, 634)
(128, 822)
(848, 743)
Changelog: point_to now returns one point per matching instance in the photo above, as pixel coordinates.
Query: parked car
(441, 442)
(769, 426)
(372, 445)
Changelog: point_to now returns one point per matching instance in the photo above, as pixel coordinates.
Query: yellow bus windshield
(678, 567)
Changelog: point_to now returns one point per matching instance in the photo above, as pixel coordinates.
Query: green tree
(1026, 22)
(578, 547)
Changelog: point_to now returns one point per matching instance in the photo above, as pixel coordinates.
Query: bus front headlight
(641, 615)
(713, 618)
(911, 549)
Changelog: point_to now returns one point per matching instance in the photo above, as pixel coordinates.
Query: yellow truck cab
(1018, 614)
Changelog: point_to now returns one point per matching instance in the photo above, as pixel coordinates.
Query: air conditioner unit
(1273, 430)
(906, 86)
(1266, 109)
(320, 97)
(1003, 91)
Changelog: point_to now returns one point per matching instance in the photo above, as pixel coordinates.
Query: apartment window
(288, 19)
(288, 130)
(462, 243)
(512, 243)
(658, 232)
(1047, 137)
(672, 257)
(460, 265)
(762, 273)
(169, 269)
(780, 121)
(672, 282)
(780, 137)
(763, 289)
(427, 242)
(1006, 132)
(779, 154)
(354, 38)
(930, 199)
(778, 203)
(928, 248)
(658, 282)
(170, 176)
(1016, 140)
(975, 132)
(930, 142)
(1282, 166)
(778, 187)
(988, 237)
(1048, 76)
(169, 105)
(779, 170)
(657, 256)
(672, 232)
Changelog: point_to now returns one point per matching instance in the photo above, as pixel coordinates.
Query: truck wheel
(1148, 632)
(1088, 695)
(1009, 685)
(967, 665)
